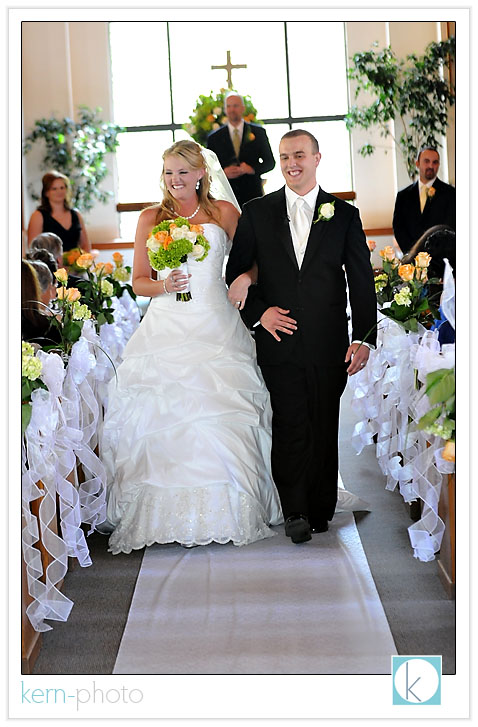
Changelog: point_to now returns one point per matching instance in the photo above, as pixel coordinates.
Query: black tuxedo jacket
(255, 150)
(409, 223)
(315, 294)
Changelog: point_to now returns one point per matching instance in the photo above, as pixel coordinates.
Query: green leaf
(440, 385)
(26, 416)
(427, 419)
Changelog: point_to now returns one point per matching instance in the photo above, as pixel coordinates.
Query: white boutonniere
(325, 212)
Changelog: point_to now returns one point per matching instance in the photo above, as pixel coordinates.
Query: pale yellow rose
(449, 451)
(422, 260)
(61, 275)
(406, 272)
(387, 253)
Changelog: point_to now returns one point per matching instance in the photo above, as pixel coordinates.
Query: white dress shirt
(310, 199)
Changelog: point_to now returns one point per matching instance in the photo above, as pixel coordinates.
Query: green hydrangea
(31, 366)
(121, 275)
(403, 297)
(443, 429)
(380, 282)
(172, 257)
(107, 288)
(81, 312)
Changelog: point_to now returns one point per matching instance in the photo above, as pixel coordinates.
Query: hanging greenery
(77, 149)
(209, 115)
(415, 93)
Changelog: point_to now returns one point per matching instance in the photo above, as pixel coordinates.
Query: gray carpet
(421, 617)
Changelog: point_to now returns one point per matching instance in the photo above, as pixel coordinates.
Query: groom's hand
(359, 355)
(275, 319)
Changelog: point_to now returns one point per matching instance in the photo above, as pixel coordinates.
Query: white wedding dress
(186, 437)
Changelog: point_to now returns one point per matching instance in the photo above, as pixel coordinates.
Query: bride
(186, 437)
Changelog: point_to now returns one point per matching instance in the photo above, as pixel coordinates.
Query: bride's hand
(238, 290)
(176, 281)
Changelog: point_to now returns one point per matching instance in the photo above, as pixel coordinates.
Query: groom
(302, 240)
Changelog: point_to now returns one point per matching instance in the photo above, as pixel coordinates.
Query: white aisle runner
(267, 608)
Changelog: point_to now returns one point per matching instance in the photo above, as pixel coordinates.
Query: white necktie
(301, 223)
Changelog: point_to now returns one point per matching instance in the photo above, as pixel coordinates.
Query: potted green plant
(77, 149)
(414, 92)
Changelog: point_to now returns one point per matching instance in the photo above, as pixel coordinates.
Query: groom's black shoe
(319, 526)
(297, 528)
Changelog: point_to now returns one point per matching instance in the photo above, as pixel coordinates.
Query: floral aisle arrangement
(440, 419)
(31, 370)
(67, 314)
(208, 115)
(403, 291)
(172, 243)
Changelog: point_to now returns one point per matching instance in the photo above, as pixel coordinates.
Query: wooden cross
(228, 67)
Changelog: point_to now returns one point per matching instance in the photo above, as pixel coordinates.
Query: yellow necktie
(423, 197)
(236, 141)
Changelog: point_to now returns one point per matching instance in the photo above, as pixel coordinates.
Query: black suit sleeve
(400, 223)
(363, 301)
(264, 153)
(241, 259)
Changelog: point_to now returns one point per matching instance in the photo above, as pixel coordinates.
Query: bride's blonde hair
(190, 152)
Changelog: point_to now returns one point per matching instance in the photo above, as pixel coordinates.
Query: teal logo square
(416, 680)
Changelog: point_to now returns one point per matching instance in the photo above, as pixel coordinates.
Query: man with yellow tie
(243, 150)
(423, 204)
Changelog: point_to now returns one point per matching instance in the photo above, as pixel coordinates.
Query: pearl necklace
(190, 216)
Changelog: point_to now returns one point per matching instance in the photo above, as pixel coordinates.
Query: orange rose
(406, 272)
(85, 261)
(371, 245)
(449, 451)
(108, 268)
(431, 192)
(387, 253)
(73, 255)
(167, 241)
(118, 259)
(252, 136)
(198, 229)
(163, 236)
(210, 117)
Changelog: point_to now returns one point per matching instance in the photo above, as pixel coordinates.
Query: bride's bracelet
(165, 288)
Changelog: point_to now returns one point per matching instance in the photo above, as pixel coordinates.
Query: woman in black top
(55, 214)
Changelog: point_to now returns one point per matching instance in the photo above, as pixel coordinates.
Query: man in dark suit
(423, 204)
(302, 239)
(243, 151)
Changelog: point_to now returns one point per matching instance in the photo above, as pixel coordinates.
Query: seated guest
(53, 244)
(55, 214)
(36, 325)
(243, 150)
(440, 243)
(45, 257)
(423, 204)
(46, 281)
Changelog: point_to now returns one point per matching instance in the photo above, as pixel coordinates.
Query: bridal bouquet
(172, 242)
